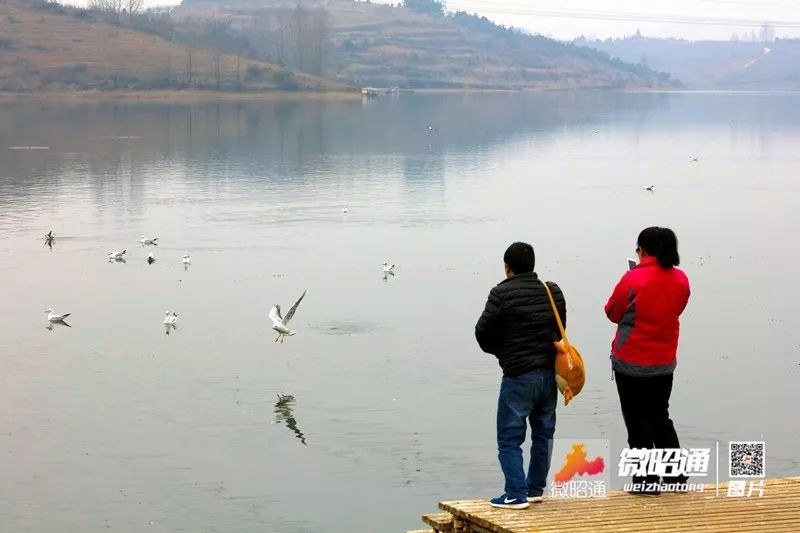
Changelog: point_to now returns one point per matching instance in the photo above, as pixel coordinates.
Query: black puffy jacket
(518, 325)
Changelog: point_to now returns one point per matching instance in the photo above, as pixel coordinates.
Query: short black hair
(520, 258)
(662, 244)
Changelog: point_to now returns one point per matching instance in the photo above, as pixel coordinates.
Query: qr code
(746, 459)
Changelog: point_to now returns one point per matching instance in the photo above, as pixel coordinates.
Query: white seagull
(650, 188)
(280, 323)
(116, 256)
(148, 242)
(344, 210)
(694, 159)
(186, 260)
(151, 259)
(169, 321)
(388, 269)
(52, 317)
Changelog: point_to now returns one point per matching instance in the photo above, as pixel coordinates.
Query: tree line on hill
(303, 37)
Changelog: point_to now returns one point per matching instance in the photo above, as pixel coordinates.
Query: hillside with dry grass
(49, 47)
(364, 43)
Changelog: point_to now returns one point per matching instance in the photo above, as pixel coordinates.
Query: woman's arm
(619, 301)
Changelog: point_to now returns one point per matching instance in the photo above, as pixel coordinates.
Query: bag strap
(555, 312)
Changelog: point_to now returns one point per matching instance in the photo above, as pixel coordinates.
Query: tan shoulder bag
(570, 371)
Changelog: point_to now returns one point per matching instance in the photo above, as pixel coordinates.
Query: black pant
(645, 409)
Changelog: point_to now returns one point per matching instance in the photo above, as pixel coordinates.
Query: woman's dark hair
(520, 258)
(662, 244)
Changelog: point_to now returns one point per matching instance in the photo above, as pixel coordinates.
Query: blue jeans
(527, 398)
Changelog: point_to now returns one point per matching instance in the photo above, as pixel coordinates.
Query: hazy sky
(691, 19)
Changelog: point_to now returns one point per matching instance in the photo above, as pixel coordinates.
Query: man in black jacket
(518, 327)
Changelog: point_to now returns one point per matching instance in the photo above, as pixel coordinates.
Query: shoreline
(193, 95)
(196, 95)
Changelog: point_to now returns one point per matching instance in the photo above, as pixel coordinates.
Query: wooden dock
(778, 510)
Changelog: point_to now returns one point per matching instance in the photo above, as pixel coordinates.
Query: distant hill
(773, 65)
(418, 46)
(46, 46)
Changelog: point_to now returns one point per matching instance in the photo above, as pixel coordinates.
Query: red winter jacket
(646, 304)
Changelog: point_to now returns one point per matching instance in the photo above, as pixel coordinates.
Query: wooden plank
(627, 503)
(777, 510)
(688, 517)
(726, 507)
(440, 522)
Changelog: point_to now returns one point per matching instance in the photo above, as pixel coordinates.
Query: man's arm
(619, 301)
(561, 305)
(486, 330)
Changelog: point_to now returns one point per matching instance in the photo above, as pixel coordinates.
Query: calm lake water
(113, 425)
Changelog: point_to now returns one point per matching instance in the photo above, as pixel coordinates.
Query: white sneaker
(535, 499)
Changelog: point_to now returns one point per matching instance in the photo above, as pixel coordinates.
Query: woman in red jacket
(646, 306)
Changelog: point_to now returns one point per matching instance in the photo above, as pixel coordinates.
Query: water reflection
(256, 142)
(49, 239)
(284, 413)
(51, 325)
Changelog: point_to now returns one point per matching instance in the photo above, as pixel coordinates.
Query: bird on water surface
(53, 317)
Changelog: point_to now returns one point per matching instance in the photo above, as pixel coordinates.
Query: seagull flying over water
(694, 159)
(388, 269)
(148, 242)
(281, 323)
(53, 318)
(650, 188)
